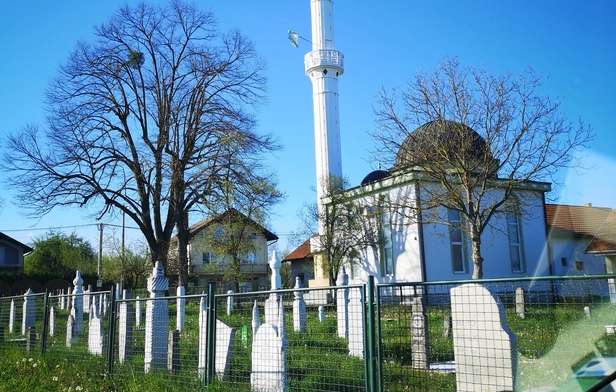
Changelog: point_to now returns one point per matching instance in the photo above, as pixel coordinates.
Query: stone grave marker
(256, 318)
(229, 302)
(77, 303)
(355, 324)
(299, 309)
(125, 331)
(520, 308)
(173, 354)
(156, 320)
(27, 317)
(342, 304)
(138, 311)
(587, 312)
(12, 315)
(70, 331)
(225, 335)
(269, 358)
(95, 332)
(484, 348)
(52, 321)
(180, 307)
(245, 336)
(419, 334)
(321, 313)
(446, 326)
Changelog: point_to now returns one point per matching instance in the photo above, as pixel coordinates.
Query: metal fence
(370, 337)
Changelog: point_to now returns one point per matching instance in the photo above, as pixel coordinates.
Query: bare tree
(144, 121)
(347, 230)
(488, 139)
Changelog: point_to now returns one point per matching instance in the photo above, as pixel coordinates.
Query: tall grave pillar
(156, 320)
(77, 305)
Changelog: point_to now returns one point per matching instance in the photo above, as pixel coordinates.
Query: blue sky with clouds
(384, 44)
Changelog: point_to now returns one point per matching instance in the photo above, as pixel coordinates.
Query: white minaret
(323, 65)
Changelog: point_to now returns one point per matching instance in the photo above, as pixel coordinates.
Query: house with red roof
(571, 230)
(302, 264)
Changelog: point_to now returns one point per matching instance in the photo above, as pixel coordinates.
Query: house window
(456, 239)
(206, 257)
(563, 261)
(579, 265)
(386, 251)
(516, 254)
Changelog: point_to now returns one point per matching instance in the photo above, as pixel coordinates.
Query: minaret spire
(323, 65)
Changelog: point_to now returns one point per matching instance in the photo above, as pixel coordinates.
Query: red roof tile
(581, 220)
(605, 240)
(302, 252)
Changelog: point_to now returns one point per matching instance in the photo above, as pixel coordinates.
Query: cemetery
(455, 336)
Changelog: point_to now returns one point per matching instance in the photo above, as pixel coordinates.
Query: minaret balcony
(326, 58)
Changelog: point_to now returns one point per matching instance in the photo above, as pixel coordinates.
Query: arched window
(514, 233)
(386, 249)
(459, 259)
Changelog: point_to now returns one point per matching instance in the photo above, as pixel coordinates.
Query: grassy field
(316, 360)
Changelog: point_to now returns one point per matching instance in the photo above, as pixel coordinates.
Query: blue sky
(384, 44)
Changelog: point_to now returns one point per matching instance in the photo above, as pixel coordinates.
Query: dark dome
(441, 139)
(375, 176)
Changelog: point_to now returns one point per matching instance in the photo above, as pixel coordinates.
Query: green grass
(317, 360)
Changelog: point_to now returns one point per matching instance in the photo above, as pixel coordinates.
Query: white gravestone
(355, 324)
(484, 348)
(229, 302)
(12, 315)
(299, 309)
(321, 313)
(77, 305)
(125, 332)
(27, 319)
(62, 299)
(269, 357)
(95, 333)
(419, 334)
(180, 308)
(256, 318)
(70, 331)
(105, 305)
(87, 299)
(52, 321)
(342, 305)
(273, 302)
(225, 336)
(156, 320)
(138, 311)
(519, 302)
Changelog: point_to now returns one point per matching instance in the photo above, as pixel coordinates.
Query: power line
(65, 227)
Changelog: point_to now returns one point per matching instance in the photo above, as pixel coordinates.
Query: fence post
(378, 342)
(211, 334)
(45, 330)
(371, 356)
(111, 329)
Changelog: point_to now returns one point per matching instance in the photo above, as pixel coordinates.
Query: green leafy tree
(129, 266)
(57, 255)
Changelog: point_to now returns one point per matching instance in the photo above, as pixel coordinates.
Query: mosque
(413, 250)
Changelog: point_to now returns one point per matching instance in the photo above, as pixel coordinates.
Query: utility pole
(99, 282)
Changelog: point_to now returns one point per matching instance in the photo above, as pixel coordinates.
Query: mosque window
(459, 257)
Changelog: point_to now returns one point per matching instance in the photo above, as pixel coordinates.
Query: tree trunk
(476, 253)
